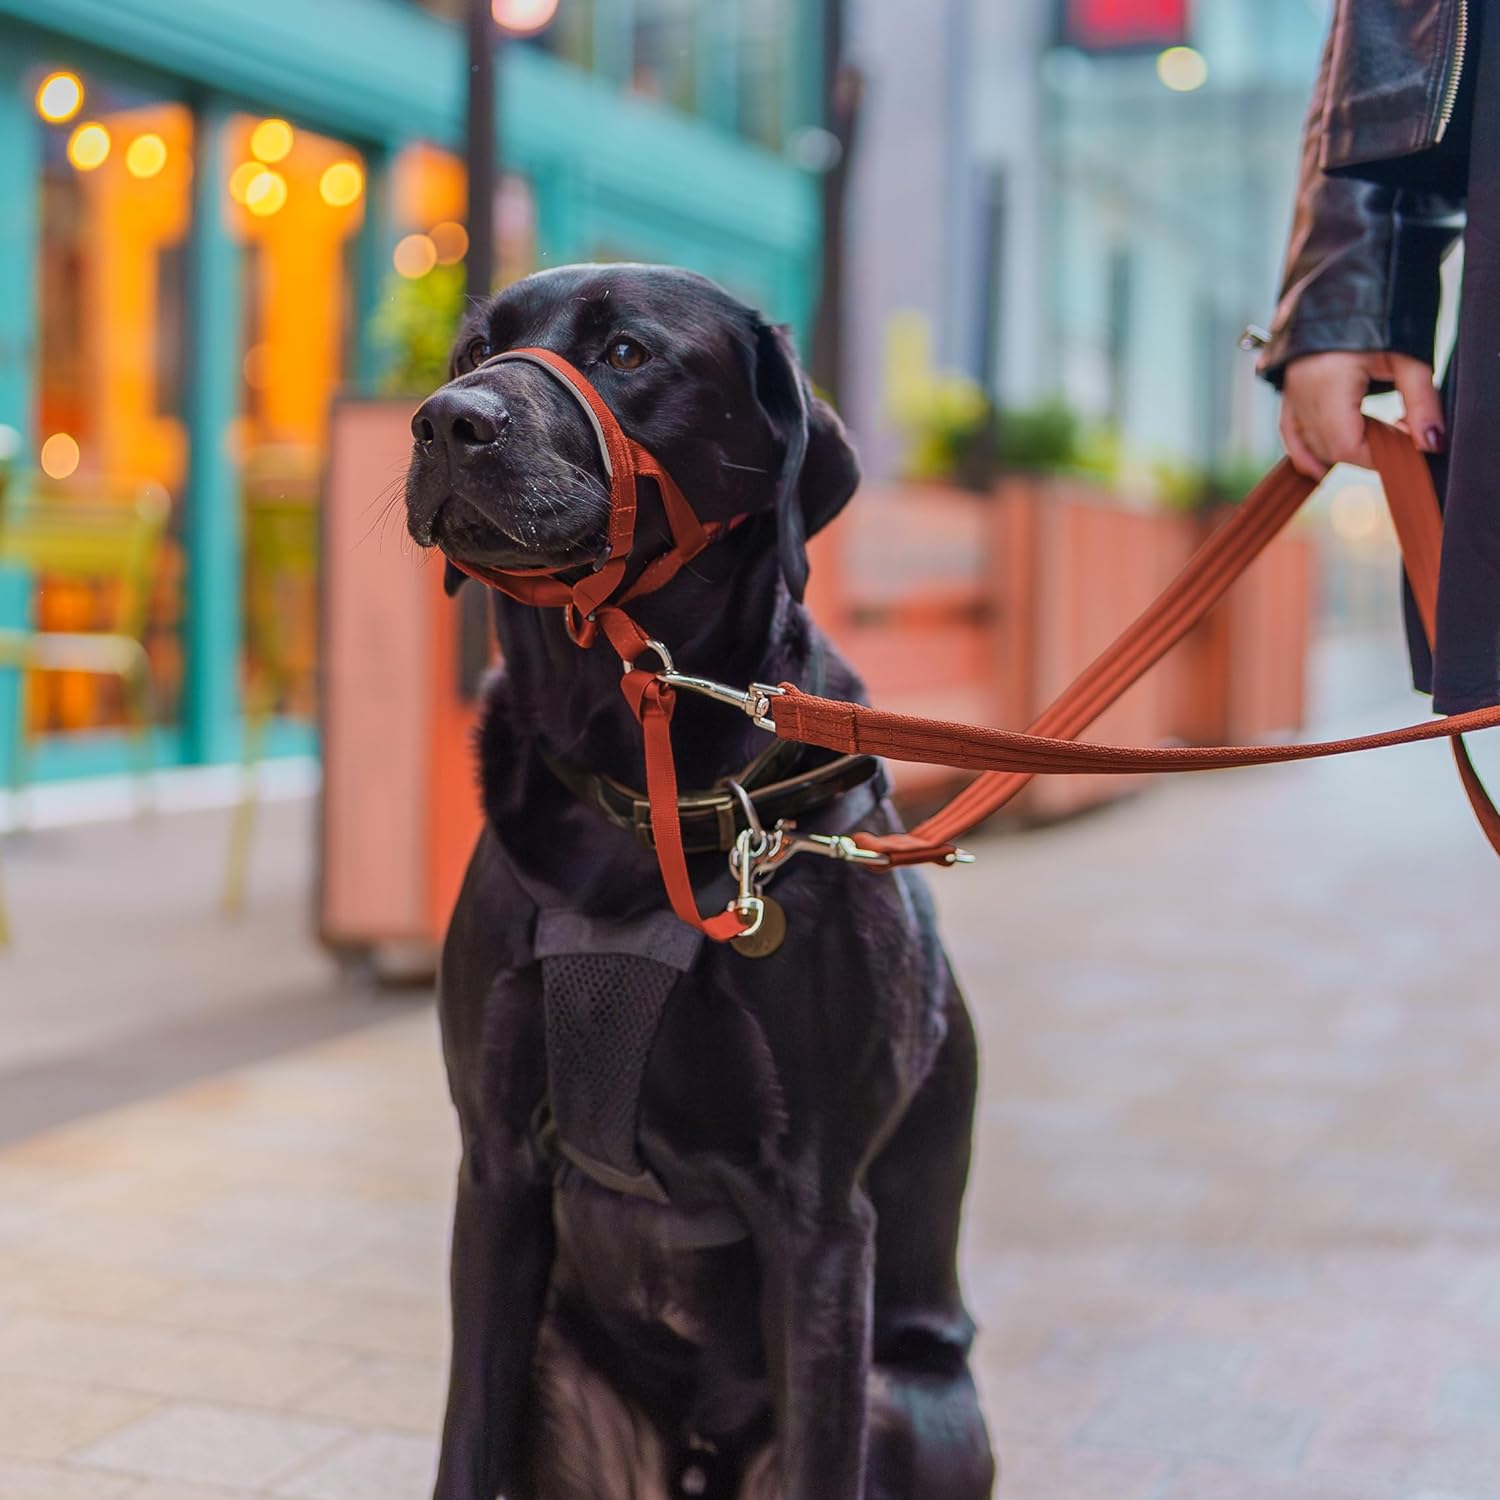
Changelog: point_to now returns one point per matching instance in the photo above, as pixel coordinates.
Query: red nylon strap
(621, 457)
(1011, 759)
(653, 702)
(1419, 529)
(855, 730)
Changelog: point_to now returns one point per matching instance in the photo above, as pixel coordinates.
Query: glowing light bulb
(415, 256)
(88, 147)
(341, 184)
(60, 97)
(59, 456)
(1182, 69)
(266, 193)
(523, 16)
(146, 155)
(451, 241)
(241, 178)
(271, 140)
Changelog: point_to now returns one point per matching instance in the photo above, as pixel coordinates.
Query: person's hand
(1321, 421)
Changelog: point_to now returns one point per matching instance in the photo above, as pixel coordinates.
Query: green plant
(1039, 438)
(414, 326)
(1051, 438)
(952, 432)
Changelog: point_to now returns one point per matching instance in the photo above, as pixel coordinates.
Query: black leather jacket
(1380, 197)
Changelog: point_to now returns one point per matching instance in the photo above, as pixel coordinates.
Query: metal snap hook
(662, 654)
(752, 817)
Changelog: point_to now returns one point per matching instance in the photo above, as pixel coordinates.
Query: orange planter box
(983, 607)
(400, 807)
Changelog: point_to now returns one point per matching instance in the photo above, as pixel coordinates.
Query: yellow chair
(281, 568)
(96, 541)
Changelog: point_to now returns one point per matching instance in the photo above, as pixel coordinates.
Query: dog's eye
(477, 351)
(626, 354)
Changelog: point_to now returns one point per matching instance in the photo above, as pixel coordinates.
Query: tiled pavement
(1234, 1235)
(124, 978)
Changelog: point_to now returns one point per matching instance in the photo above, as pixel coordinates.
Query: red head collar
(591, 603)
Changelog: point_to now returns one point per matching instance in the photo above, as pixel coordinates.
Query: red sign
(1111, 25)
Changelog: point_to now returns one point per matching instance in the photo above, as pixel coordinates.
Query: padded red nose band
(625, 462)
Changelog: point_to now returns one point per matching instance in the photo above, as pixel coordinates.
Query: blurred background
(1236, 1124)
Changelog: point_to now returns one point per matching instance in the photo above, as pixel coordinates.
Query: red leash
(1008, 759)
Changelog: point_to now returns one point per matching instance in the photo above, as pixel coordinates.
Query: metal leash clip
(754, 702)
(750, 862)
(829, 845)
(753, 851)
(744, 860)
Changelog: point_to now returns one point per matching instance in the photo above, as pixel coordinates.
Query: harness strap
(1011, 759)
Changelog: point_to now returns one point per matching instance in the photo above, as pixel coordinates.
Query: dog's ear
(819, 469)
(453, 578)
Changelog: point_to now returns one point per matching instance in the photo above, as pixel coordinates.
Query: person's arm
(1359, 307)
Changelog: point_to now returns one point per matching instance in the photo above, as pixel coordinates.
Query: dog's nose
(459, 419)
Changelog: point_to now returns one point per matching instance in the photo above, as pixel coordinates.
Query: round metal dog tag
(766, 938)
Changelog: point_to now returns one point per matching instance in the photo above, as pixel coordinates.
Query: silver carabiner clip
(750, 847)
(755, 702)
(747, 806)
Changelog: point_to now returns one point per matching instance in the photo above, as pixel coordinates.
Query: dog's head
(506, 471)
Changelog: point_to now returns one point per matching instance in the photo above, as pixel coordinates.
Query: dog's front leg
(817, 1286)
(502, 1260)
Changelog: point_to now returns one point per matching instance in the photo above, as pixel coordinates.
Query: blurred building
(1085, 198)
(214, 216)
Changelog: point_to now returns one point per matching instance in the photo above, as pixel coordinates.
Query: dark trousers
(1464, 671)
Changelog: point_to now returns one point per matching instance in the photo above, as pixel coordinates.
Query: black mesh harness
(605, 986)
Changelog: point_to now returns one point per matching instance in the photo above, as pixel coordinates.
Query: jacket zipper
(1455, 71)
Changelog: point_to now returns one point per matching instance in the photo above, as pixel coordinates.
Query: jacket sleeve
(1362, 268)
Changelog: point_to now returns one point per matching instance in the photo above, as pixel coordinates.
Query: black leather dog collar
(712, 819)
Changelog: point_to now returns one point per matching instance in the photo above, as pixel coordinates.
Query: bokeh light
(451, 241)
(1356, 513)
(146, 155)
(88, 147)
(415, 256)
(523, 16)
(60, 97)
(341, 184)
(271, 140)
(241, 178)
(266, 193)
(59, 456)
(1182, 69)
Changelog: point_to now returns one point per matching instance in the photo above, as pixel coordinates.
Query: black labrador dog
(708, 1205)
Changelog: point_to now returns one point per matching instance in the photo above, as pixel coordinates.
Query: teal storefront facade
(610, 175)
